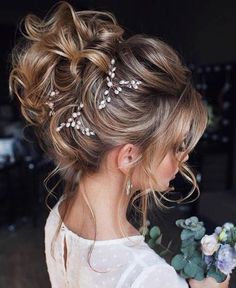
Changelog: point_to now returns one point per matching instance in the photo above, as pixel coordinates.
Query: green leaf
(182, 274)
(187, 242)
(191, 220)
(178, 262)
(200, 233)
(158, 241)
(188, 250)
(199, 275)
(197, 259)
(186, 234)
(198, 254)
(217, 274)
(179, 222)
(191, 269)
(151, 243)
(155, 232)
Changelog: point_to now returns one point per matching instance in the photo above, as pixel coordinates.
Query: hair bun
(56, 48)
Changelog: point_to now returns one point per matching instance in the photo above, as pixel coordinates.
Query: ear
(126, 155)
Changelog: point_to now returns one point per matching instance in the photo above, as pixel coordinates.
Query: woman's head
(71, 51)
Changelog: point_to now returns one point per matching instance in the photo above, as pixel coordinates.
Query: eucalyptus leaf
(199, 275)
(197, 259)
(187, 242)
(200, 233)
(191, 269)
(188, 250)
(151, 243)
(191, 220)
(178, 262)
(197, 254)
(155, 232)
(179, 222)
(217, 274)
(158, 241)
(182, 274)
(186, 234)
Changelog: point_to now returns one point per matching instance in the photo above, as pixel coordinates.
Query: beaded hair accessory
(75, 120)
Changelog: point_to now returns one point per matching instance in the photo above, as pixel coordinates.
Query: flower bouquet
(200, 255)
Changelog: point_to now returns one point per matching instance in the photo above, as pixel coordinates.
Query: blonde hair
(71, 51)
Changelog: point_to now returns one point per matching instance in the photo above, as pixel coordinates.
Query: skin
(209, 282)
(103, 191)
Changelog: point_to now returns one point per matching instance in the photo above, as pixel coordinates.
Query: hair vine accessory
(78, 124)
(117, 89)
(75, 120)
(50, 103)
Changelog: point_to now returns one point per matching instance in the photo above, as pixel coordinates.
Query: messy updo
(71, 52)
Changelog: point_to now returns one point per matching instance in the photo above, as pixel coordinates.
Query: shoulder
(53, 219)
(159, 275)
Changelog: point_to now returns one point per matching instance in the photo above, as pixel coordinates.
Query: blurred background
(203, 32)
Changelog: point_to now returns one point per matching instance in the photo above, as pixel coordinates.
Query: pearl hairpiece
(76, 123)
(73, 122)
(106, 98)
(50, 103)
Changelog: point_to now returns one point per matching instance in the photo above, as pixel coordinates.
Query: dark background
(203, 32)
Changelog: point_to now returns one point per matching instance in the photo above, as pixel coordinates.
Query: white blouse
(132, 264)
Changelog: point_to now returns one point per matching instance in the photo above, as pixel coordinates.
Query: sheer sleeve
(160, 275)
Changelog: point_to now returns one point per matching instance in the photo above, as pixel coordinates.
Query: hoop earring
(128, 187)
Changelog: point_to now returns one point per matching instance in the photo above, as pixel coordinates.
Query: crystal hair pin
(117, 89)
(50, 103)
(76, 123)
(75, 120)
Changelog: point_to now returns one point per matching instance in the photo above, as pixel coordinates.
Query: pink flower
(209, 244)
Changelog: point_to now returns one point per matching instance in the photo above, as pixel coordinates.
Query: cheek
(167, 168)
(163, 173)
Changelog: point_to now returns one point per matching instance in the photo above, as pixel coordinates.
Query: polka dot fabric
(127, 262)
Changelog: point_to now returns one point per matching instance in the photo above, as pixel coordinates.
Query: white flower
(228, 226)
(209, 244)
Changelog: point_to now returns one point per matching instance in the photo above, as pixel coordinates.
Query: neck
(103, 194)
